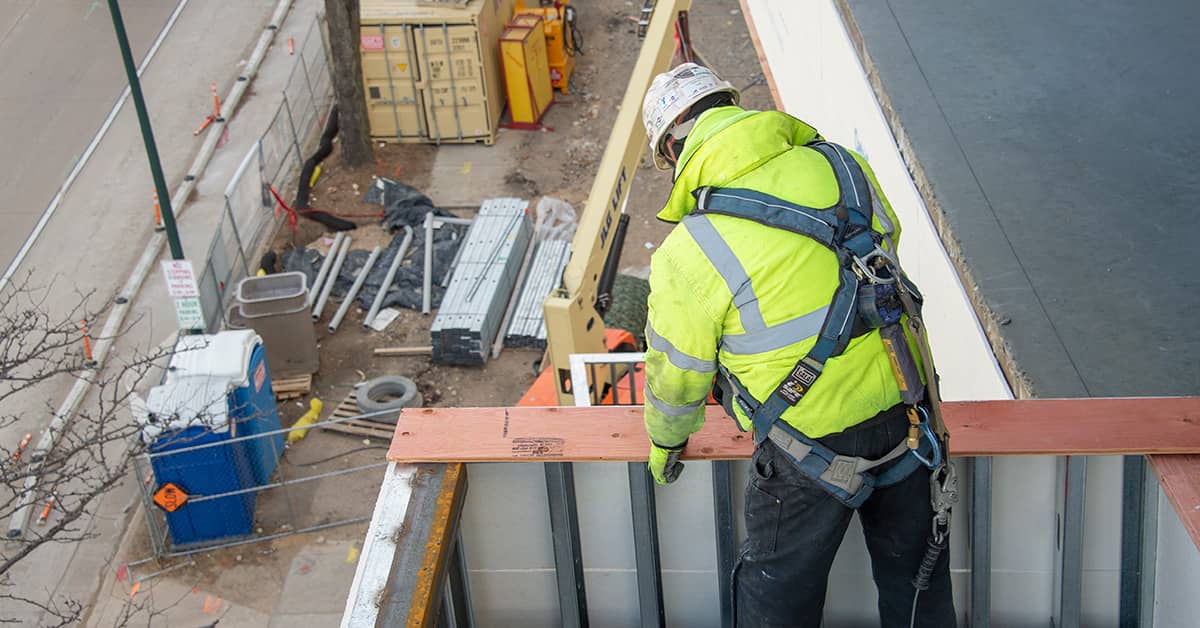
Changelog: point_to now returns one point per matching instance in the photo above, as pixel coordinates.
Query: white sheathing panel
(1177, 577)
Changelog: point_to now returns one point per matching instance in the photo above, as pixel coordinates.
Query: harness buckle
(869, 266)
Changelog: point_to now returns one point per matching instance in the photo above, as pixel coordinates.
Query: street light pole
(135, 91)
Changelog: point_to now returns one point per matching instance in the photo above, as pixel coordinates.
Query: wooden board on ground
(356, 427)
(292, 387)
(1180, 479)
(1096, 426)
(403, 351)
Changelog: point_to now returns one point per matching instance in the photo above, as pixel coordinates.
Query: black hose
(304, 192)
(608, 274)
(576, 46)
(933, 551)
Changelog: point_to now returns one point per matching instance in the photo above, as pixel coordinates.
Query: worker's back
(764, 325)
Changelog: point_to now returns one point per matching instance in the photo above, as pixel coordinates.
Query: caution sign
(170, 497)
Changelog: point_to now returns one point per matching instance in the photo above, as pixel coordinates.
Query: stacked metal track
(528, 325)
(473, 308)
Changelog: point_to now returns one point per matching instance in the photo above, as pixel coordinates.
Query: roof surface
(1062, 145)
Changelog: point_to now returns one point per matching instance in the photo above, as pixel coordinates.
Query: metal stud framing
(568, 556)
(473, 307)
(1068, 602)
(722, 478)
(645, 546)
(981, 542)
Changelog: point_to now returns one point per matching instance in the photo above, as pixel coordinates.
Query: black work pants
(794, 528)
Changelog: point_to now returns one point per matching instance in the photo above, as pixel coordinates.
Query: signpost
(181, 285)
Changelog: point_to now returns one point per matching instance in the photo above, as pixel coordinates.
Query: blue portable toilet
(238, 357)
(187, 434)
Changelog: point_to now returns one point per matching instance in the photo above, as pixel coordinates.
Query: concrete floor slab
(465, 174)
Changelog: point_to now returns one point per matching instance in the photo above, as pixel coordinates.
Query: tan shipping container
(431, 73)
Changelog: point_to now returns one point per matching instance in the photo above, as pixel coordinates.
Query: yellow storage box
(431, 73)
(560, 45)
(526, 70)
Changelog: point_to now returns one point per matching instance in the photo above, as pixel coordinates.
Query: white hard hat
(670, 95)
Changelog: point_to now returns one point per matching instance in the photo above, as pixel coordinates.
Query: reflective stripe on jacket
(752, 296)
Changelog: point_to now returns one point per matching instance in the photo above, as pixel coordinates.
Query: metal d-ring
(864, 266)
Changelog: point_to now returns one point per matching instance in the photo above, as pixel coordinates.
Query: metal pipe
(324, 271)
(391, 274)
(358, 282)
(332, 279)
(269, 537)
(427, 278)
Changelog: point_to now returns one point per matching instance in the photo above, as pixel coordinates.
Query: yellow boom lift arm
(573, 324)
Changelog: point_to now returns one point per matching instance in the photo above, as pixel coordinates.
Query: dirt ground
(558, 163)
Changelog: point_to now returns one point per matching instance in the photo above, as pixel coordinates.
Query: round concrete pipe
(358, 282)
(391, 274)
(332, 279)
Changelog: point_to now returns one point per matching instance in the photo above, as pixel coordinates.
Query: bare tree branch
(40, 352)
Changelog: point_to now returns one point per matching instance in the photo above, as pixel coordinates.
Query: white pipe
(358, 282)
(315, 289)
(453, 263)
(133, 285)
(391, 274)
(427, 279)
(332, 279)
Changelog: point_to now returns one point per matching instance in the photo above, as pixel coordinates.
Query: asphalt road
(61, 75)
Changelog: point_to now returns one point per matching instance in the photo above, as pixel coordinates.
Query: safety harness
(873, 293)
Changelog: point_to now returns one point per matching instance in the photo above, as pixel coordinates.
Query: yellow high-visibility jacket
(750, 296)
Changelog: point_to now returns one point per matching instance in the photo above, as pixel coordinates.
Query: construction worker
(738, 299)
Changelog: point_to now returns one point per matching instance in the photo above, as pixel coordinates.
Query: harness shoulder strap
(844, 228)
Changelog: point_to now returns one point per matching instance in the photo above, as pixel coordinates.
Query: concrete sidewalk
(105, 220)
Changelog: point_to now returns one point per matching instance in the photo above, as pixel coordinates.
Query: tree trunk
(342, 17)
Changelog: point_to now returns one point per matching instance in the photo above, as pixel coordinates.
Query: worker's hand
(664, 462)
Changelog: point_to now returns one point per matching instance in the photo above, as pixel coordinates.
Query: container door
(455, 102)
(390, 78)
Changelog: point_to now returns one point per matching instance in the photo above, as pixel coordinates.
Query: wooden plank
(403, 351)
(1180, 479)
(356, 427)
(1094, 426)
(292, 387)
